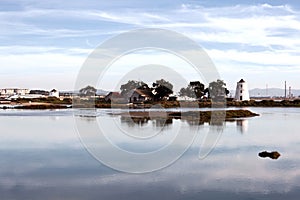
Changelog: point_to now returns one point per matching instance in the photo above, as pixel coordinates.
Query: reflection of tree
(195, 121)
(141, 121)
(215, 119)
(87, 119)
(132, 121)
(217, 123)
(161, 122)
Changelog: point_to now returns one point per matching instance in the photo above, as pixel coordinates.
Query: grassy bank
(55, 103)
(202, 116)
(42, 106)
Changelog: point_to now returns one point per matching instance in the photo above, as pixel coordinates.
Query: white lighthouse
(241, 92)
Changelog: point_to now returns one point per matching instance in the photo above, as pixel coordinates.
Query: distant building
(54, 93)
(113, 97)
(39, 92)
(241, 92)
(66, 94)
(13, 91)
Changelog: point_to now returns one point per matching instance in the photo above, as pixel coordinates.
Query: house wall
(54, 94)
(116, 98)
(136, 97)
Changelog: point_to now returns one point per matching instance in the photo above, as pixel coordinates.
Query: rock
(273, 154)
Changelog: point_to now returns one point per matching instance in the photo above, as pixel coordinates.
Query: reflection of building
(242, 125)
(241, 92)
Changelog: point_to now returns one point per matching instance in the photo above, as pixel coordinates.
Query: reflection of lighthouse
(241, 92)
(242, 125)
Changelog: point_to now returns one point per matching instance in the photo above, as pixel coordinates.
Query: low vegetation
(201, 116)
(65, 103)
(52, 100)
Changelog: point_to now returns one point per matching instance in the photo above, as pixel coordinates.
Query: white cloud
(264, 59)
(17, 49)
(260, 37)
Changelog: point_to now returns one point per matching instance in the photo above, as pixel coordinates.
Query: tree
(217, 89)
(184, 92)
(88, 91)
(131, 85)
(195, 89)
(162, 89)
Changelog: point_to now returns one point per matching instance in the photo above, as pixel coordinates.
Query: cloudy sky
(43, 44)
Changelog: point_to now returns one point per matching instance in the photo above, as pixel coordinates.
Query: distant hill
(102, 92)
(278, 92)
(272, 92)
(99, 92)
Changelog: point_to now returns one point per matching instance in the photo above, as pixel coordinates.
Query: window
(241, 98)
(241, 91)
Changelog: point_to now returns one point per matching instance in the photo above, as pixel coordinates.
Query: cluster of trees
(197, 90)
(88, 91)
(162, 89)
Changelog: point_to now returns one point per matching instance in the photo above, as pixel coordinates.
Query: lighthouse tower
(241, 92)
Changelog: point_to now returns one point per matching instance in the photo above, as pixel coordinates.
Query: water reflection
(242, 125)
(42, 157)
(193, 121)
(142, 121)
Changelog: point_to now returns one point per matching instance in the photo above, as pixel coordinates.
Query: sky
(43, 44)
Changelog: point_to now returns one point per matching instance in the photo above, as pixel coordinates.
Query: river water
(42, 156)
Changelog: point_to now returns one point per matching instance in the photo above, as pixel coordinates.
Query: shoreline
(200, 117)
(164, 104)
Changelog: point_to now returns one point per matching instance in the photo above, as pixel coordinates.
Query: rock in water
(273, 154)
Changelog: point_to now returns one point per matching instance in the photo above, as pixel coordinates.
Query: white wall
(242, 92)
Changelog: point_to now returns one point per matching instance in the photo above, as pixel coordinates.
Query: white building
(13, 91)
(241, 92)
(54, 93)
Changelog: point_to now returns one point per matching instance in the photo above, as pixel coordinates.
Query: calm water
(42, 157)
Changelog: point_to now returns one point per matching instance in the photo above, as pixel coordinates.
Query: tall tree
(131, 85)
(217, 89)
(162, 89)
(183, 92)
(195, 89)
(88, 91)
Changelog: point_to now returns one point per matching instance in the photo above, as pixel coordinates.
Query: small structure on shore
(54, 93)
(241, 92)
(115, 97)
(140, 95)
